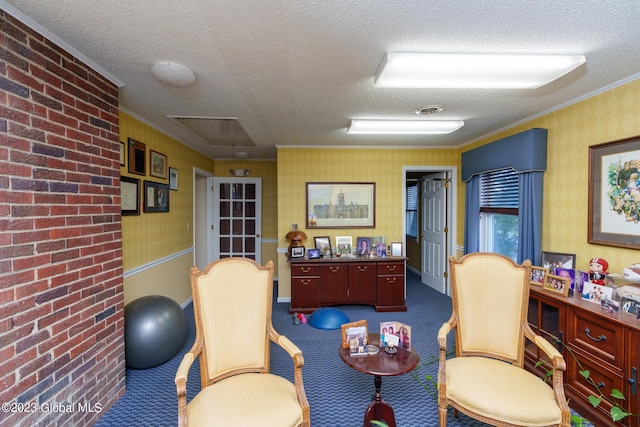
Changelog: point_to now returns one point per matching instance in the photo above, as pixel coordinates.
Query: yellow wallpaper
(151, 236)
(606, 117)
(297, 166)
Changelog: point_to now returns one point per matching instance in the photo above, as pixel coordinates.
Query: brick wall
(61, 297)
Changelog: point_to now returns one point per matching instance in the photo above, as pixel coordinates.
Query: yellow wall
(297, 166)
(149, 238)
(606, 117)
(267, 170)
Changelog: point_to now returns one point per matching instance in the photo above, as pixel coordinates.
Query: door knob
(257, 234)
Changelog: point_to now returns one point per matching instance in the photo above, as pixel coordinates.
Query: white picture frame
(396, 249)
(344, 245)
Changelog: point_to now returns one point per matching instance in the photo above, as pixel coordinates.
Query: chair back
(232, 308)
(490, 296)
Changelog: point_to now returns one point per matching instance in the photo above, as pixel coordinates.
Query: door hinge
(446, 275)
(446, 229)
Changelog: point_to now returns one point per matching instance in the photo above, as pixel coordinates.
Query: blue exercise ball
(154, 329)
(327, 318)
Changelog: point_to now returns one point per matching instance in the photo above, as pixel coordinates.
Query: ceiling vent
(216, 131)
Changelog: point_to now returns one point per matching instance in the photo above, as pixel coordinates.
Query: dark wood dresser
(605, 343)
(322, 282)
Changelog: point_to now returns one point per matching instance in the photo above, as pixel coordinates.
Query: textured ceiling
(294, 72)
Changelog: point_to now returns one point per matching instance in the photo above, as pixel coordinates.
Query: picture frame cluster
(343, 246)
(155, 195)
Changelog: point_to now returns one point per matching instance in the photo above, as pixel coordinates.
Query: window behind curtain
(412, 211)
(499, 212)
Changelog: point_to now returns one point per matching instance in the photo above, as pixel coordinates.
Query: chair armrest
(442, 335)
(292, 349)
(552, 353)
(181, 381)
(183, 369)
(559, 366)
(298, 363)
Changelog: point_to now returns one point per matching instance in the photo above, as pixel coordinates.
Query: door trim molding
(451, 203)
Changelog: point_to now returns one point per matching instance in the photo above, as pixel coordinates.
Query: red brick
(58, 147)
(15, 279)
(31, 289)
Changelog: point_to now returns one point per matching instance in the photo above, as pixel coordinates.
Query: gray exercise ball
(154, 329)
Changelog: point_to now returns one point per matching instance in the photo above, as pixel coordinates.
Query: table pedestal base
(379, 409)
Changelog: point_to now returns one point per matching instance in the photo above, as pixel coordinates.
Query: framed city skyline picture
(341, 204)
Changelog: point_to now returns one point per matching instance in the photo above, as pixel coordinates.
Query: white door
(434, 230)
(237, 213)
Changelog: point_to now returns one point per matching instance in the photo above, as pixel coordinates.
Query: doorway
(430, 249)
(202, 218)
(237, 213)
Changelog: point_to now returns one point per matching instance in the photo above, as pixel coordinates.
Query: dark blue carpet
(338, 395)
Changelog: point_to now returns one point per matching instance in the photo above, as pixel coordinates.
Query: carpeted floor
(338, 395)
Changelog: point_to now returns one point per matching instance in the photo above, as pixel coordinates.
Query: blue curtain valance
(524, 152)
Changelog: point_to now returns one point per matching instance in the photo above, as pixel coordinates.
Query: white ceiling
(294, 72)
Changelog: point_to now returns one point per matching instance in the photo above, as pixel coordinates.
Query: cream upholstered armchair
(232, 302)
(487, 380)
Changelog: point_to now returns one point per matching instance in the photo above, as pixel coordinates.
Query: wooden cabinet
(379, 282)
(605, 344)
(391, 286)
(334, 283)
(305, 289)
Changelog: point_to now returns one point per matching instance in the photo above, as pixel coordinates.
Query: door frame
(202, 195)
(451, 210)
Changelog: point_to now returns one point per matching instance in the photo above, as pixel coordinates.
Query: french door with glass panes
(237, 213)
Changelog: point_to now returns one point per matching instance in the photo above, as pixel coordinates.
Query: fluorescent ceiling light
(404, 127)
(452, 70)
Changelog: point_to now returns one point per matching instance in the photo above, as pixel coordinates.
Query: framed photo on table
(341, 204)
(297, 252)
(557, 284)
(553, 260)
(344, 245)
(537, 275)
(323, 244)
(396, 249)
(614, 193)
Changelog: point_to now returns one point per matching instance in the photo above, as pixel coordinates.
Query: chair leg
(442, 412)
(455, 413)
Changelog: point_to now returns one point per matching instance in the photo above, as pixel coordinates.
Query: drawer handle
(305, 269)
(391, 280)
(633, 380)
(305, 281)
(334, 269)
(362, 267)
(601, 338)
(391, 267)
(601, 384)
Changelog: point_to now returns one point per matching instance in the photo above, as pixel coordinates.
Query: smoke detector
(429, 109)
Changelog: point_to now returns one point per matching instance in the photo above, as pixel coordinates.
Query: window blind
(499, 191)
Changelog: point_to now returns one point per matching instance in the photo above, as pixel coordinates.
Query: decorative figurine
(598, 270)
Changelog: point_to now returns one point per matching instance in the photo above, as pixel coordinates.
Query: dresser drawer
(597, 336)
(390, 268)
(605, 379)
(305, 270)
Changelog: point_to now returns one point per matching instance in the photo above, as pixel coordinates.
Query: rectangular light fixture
(403, 127)
(482, 71)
